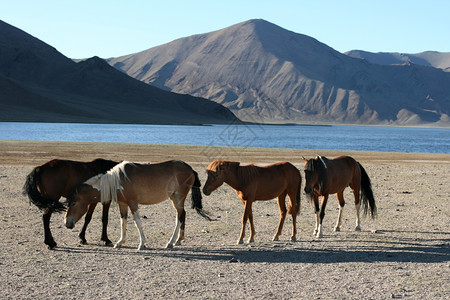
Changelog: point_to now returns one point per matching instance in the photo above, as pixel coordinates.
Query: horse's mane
(108, 184)
(318, 165)
(103, 165)
(215, 165)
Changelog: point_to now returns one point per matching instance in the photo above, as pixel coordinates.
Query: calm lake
(361, 138)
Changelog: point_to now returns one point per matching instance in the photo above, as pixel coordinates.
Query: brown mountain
(263, 72)
(37, 83)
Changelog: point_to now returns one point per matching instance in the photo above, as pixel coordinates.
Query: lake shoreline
(38, 152)
(358, 138)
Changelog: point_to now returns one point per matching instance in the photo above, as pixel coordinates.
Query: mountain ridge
(265, 73)
(440, 60)
(40, 84)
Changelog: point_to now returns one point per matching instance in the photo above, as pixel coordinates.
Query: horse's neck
(232, 178)
(323, 180)
(239, 177)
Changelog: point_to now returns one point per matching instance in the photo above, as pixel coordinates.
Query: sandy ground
(404, 253)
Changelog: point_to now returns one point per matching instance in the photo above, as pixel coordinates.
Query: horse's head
(216, 176)
(78, 201)
(314, 173)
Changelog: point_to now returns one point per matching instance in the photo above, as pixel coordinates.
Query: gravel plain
(404, 253)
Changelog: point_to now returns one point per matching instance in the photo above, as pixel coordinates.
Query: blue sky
(82, 28)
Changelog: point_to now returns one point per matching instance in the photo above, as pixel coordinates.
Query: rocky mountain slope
(37, 83)
(264, 73)
(435, 59)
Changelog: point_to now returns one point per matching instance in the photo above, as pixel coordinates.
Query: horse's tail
(196, 195)
(367, 194)
(31, 189)
(295, 209)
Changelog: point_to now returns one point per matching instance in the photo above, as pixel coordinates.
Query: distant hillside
(263, 72)
(435, 59)
(37, 83)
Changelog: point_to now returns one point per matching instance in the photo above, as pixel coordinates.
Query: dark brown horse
(253, 183)
(46, 184)
(331, 176)
(130, 184)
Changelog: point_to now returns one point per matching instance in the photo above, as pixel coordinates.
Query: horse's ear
(304, 159)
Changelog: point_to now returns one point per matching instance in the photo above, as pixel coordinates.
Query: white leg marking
(138, 223)
(123, 233)
(316, 230)
(175, 233)
(319, 231)
(358, 224)
(180, 237)
(339, 220)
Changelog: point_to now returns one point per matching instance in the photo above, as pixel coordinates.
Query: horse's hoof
(178, 243)
(315, 232)
(108, 243)
(240, 242)
(140, 247)
(358, 228)
(337, 229)
(51, 245)
(250, 241)
(275, 239)
(319, 235)
(116, 246)
(169, 246)
(293, 239)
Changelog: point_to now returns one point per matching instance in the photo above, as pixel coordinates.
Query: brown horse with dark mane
(46, 184)
(331, 176)
(253, 183)
(130, 184)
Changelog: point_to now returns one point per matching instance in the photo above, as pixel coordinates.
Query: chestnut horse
(331, 176)
(46, 184)
(130, 184)
(253, 183)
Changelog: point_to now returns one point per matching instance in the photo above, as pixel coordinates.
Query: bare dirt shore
(403, 253)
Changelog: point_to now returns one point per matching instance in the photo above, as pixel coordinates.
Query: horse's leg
(316, 211)
(292, 198)
(251, 239)
(178, 199)
(105, 213)
(123, 222)
(48, 238)
(282, 208)
(176, 230)
(322, 214)
(182, 219)
(357, 206)
(247, 210)
(138, 223)
(87, 220)
(340, 197)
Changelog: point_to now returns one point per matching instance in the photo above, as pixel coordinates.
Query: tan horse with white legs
(253, 183)
(331, 176)
(130, 184)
